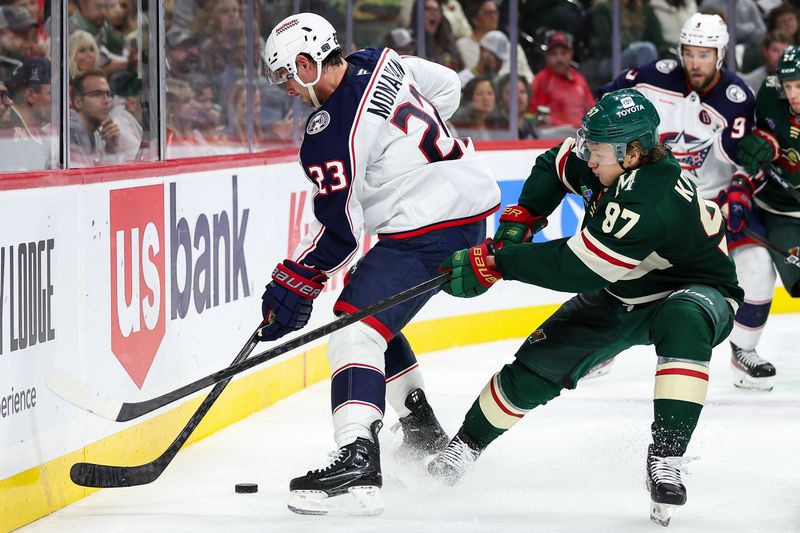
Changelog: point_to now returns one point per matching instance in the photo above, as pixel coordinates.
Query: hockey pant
(592, 328)
(372, 362)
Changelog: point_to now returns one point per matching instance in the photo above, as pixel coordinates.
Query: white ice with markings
(576, 464)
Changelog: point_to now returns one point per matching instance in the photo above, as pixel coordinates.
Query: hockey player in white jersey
(382, 161)
(705, 111)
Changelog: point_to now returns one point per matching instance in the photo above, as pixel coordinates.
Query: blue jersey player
(381, 161)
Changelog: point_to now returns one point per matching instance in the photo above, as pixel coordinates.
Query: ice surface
(576, 464)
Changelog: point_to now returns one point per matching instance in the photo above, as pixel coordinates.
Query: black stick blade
(108, 476)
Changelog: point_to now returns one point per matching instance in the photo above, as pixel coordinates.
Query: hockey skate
(422, 433)
(750, 371)
(451, 464)
(350, 485)
(664, 483)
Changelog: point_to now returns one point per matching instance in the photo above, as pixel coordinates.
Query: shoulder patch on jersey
(665, 66)
(735, 94)
(771, 123)
(318, 122)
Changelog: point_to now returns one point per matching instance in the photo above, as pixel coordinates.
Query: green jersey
(642, 238)
(775, 114)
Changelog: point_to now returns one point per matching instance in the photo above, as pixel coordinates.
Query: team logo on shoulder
(736, 94)
(318, 122)
(536, 336)
(665, 66)
(705, 118)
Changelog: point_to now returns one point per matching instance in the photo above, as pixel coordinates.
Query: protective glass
(600, 153)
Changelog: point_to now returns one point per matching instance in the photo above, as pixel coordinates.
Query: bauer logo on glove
(471, 274)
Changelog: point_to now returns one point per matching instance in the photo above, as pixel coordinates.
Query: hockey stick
(790, 258)
(785, 185)
(106, 476)
(77, 393)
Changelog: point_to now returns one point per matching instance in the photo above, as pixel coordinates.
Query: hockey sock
(757, 277)
(679, 327)
(510, 394)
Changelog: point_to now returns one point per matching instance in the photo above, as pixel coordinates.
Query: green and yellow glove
(470, 275)
(757, 149)
(518, 225)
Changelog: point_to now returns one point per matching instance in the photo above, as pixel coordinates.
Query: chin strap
(313, 95)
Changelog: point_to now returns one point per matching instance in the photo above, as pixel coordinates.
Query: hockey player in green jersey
(774, 142)
(650, 265)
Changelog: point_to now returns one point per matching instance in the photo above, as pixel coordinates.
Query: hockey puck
(246, 488)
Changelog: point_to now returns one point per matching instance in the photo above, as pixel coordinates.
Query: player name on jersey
(386, 89)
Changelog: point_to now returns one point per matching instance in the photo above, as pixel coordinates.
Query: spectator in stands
(671, 16)
(41, 40)
(5, 108)
(454, 13)
(641, 34)
(119, 18)
(237, 115)
(526, 121)
(30, 89)
(126, 112)
(27, 129)
(91, 17)
(749, 25)
(401, 41)
(440, 45)
(218, 25)
(772, 46)
(210, 121)
(478, 116)
(83, 53)
(182, 54)
(560, 87)
(784, 19)
(183, 116)
(93, 135)
(17, 37)
(494, 49)
(484, 16)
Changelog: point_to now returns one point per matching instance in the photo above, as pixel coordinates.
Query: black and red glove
(518, 225)
(287, 302)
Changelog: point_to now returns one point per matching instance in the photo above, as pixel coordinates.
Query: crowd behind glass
(114, 95)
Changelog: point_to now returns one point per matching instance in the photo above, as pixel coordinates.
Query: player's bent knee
(526, 388)
(681, 328)
(358, 343)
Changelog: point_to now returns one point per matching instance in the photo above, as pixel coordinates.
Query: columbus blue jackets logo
(318, 122)
(665, 66)
(736, 94)
(690, 151)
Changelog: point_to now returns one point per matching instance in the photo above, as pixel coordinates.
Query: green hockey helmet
(619, 118)
(789, 64)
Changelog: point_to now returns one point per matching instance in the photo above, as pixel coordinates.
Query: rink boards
(141, 279)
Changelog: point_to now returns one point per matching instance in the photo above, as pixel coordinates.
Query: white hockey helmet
(705, 30)
(303, 33)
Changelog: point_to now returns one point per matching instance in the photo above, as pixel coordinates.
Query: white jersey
(383, 161)
(702, 130)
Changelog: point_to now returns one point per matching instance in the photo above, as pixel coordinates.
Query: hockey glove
(286, 304)
(470, 275)
(737, 202)
(518, 225)
(757, 149)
